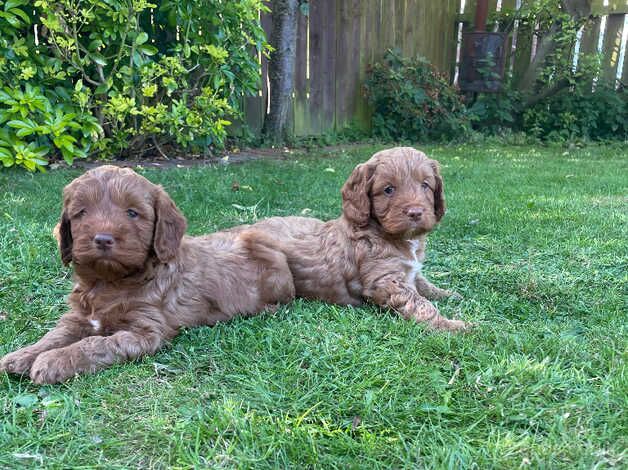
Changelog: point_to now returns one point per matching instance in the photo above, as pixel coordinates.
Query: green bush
(411, 100)
(117, 76)
(496, 113)
(575, 113)
(580, 113)
(35, 126)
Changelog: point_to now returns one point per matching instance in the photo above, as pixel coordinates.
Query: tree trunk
(281, 69)
(578, 10)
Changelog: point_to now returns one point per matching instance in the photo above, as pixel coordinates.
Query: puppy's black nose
(104, 240)
(415, 213)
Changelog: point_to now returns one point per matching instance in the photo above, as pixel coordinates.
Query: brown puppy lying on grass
(138, 279)
(375, 249)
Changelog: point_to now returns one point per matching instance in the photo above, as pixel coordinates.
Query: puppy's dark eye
(425, 186)
(80, 214)
(389, 189)
(131, 213)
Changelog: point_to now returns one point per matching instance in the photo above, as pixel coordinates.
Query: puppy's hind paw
(271, 308)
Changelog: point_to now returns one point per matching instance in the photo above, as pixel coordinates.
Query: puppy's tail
(277, 281)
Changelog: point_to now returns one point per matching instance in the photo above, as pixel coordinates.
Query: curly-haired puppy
(375, 249)
(138, 279)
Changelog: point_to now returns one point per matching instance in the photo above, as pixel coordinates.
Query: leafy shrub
(36, 127)
(552, 99)
(411, 100)
(493, 113)
(117, 76)
(580, 113)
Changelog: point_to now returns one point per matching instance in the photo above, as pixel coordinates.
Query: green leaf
(94, 45)
(41, 151)
(64, 141)
(63, 93)
(30, 165)
(10, 4)
(101, 89)
(26, 400)
(21, 14)
(80, 153)
(68, 155)
(4, 96)
(25, 127)
(147, 49)
(137, 58)
(99, 59)
(141, 38)
(11, 18)
(7, 161)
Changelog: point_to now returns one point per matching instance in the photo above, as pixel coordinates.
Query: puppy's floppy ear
(63, 234)
(170, 225)
(439, 192)
(356, 203)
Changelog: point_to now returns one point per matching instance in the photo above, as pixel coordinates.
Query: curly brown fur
(374, 250)
(138, 279)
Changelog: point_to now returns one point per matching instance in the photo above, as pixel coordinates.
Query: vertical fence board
(253, 113)
(372, 34)
(429, 19)
(254, 107)
(524, 49)
(300, 102)
(589, 39)
(469, 8)
(508, 5)
(388, 26)
(368, 34)
(400, 13)
(588, 43)
(376, 36)
(624, 73)
(410, 27)
(447, 40)
(267, 24)
(347, 69)
(322, 66)
(612, 43)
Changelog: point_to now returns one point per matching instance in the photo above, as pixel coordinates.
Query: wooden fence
(336, 42)
(338, 39)
(604, 33)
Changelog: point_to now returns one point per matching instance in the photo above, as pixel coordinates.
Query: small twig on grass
(456, 373)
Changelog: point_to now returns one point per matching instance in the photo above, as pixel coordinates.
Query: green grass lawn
(535, 239)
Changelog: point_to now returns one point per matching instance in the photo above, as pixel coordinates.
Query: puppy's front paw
(452, 294)
(461, 326)
(51, 367)
(456, 326)
(18, 362)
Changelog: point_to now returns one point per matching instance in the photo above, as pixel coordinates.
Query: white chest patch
(95, 324)
(415, 264)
